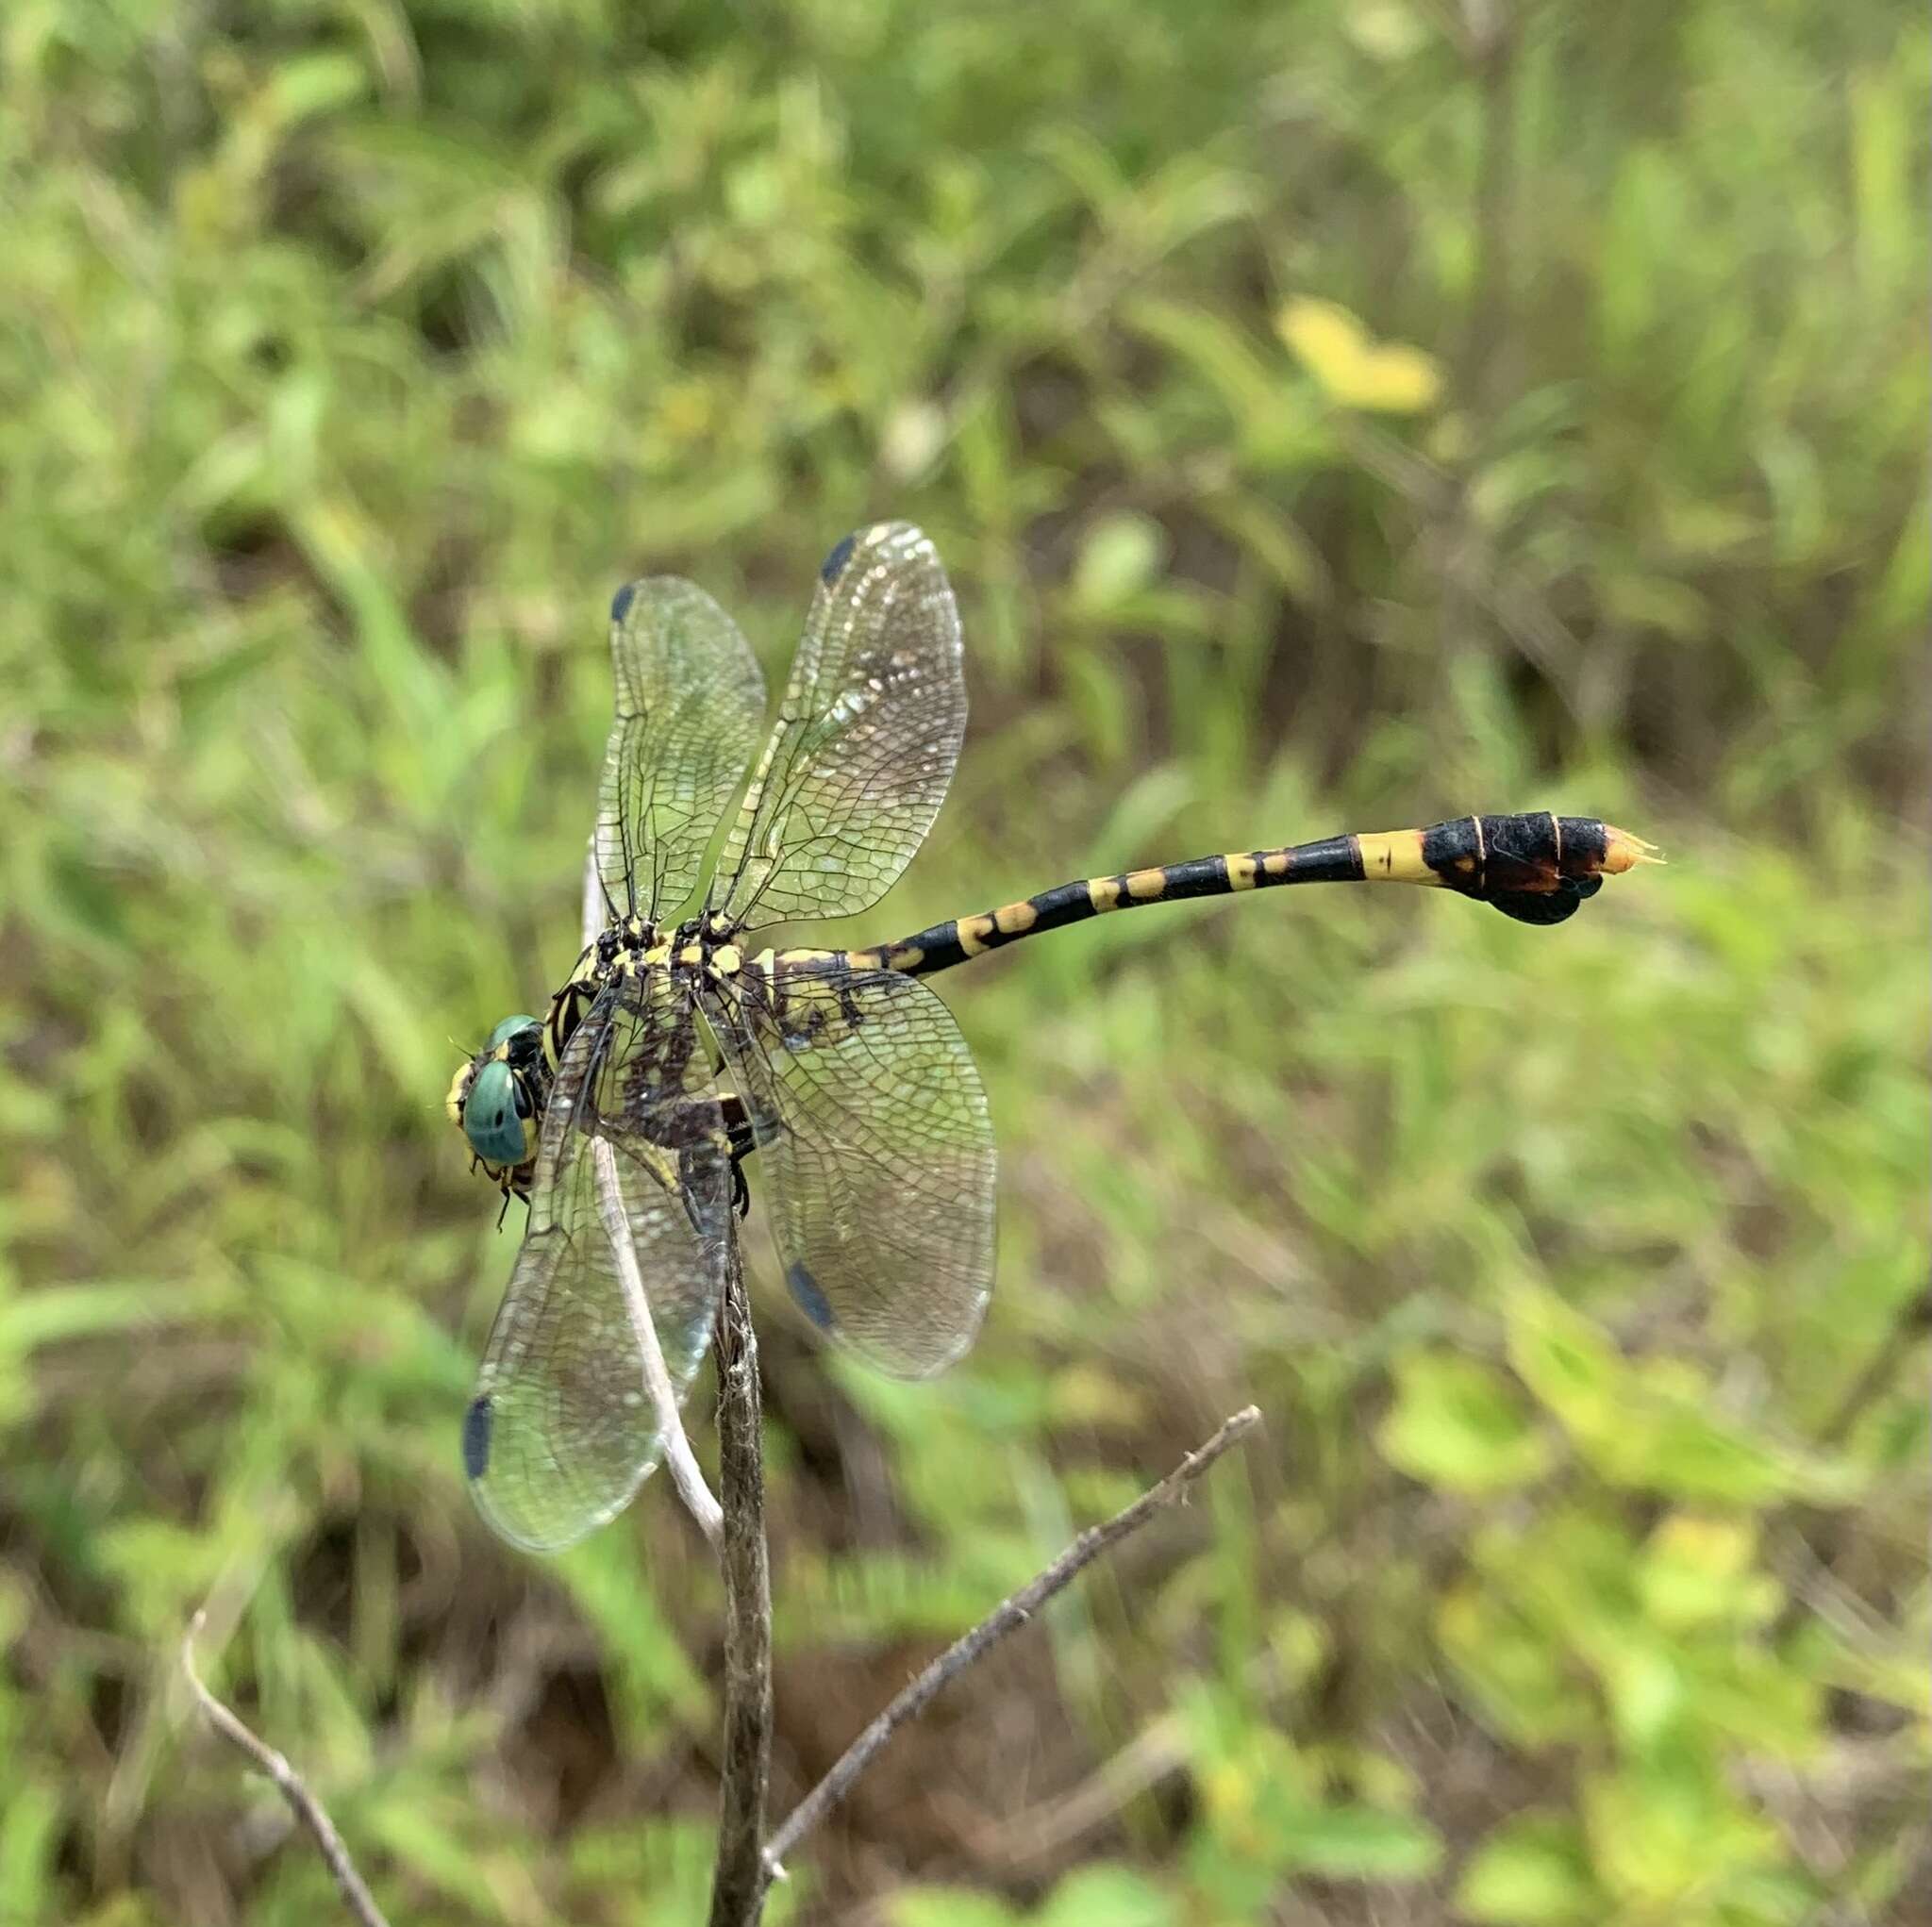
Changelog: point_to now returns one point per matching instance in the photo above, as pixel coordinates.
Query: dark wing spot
(621, 602)
(811, 1300)
(477, 1437)
(829, 568)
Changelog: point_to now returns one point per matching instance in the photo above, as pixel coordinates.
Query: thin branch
(306, 1808)
(685, 1474)
(1091, 1543)
(738, 1888)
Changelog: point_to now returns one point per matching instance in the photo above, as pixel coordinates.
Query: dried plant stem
(740, 1879)
(306, 1808)
(683, 1463)
(594, 895)
(1014, 1612)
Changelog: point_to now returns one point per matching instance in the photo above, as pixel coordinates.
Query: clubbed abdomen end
(1536, 867)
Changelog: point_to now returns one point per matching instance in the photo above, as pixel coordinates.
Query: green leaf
(1531, 1872)
(1347, 1842)
(1514, 1671)
(1654, 1424)
(313, 84)
(29, 1842)
(53, 1312)
(1670, 1828)
(1120, 555)
(431, 1837)
(946, 1906)
(1698, 1571)
(1458, 1423)
(1109, 1897)
(1567, 1361)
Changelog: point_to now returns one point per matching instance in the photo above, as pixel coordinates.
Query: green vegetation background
(1332, 416)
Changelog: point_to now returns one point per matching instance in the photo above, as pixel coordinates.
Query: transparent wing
(858, 761)
(689, 701)
(561, 1432)
(873, 1126)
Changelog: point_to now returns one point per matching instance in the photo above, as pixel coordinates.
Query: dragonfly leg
(741, 1140)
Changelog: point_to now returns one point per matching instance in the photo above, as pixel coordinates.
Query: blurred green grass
(355, 353)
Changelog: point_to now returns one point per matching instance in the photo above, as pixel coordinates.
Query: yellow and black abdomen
(1535, 867)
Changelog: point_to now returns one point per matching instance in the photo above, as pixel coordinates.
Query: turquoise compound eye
(506, 1030)
(497, 1116)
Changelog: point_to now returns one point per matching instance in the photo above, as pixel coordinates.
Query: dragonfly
(686, 1048)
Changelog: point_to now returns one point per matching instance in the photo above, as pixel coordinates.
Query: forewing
(858, 761)
(873, 1129)
(689, 700)
(561, 1429)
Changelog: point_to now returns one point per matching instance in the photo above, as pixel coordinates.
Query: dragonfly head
(494, 1099)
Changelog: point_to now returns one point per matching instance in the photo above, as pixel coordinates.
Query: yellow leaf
(1399, 380)
(1723, 1548)
(1326, 337)
(1335, 348)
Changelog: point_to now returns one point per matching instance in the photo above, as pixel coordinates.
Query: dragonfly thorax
(624, 937)
(703, 944)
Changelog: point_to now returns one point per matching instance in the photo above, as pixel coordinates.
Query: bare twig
(738, 1533)
(738, 1888)
(685, 1474)
(1016, 1611)
(306, 1808)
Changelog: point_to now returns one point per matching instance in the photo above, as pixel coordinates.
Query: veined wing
(561, 1430)
(689, 700)
(874, 1128)
(858, 761)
